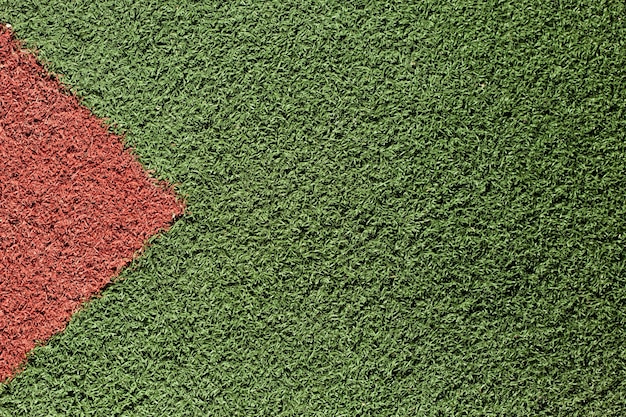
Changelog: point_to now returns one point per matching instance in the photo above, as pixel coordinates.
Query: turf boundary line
(75, 205)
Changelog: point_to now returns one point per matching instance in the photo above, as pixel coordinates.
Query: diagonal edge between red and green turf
(75, 206)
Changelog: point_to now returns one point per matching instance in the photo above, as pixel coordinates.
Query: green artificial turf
(396, 208)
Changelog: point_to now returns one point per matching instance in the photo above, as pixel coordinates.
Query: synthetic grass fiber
(395, 208)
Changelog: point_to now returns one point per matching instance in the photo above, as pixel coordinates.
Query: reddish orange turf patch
(74, 206)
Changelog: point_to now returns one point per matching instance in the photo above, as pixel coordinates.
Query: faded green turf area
(395, 209)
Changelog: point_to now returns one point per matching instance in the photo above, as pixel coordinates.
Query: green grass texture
(395, 208)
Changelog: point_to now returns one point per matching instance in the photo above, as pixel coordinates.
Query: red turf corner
(74, 206)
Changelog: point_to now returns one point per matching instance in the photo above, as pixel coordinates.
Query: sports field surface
(393, 208)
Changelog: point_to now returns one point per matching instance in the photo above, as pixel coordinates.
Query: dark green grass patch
(395, 208)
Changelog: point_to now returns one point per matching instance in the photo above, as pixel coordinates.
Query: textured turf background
(395, 208)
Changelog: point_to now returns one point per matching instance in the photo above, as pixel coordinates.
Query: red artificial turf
(74, 205)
